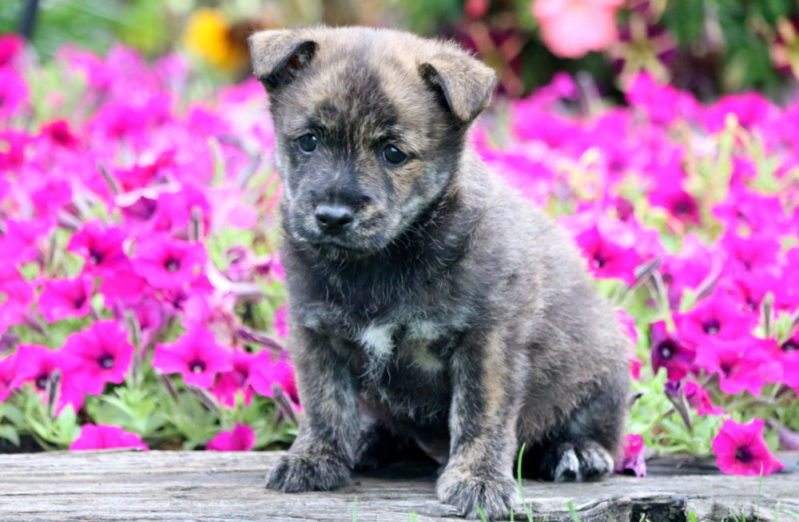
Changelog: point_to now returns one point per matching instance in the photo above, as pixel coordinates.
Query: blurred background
(709, 47)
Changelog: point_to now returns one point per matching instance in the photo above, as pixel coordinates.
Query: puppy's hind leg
(584, 447)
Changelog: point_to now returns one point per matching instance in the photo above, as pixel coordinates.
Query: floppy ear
(465, 83)
(278, 56)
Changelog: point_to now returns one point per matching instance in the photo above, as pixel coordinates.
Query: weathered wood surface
(229, 486)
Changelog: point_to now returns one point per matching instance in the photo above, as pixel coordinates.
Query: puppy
(429, 303)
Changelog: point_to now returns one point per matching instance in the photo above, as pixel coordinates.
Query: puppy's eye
(307, 142)
(393, 155)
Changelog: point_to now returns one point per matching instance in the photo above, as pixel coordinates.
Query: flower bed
(141, 301)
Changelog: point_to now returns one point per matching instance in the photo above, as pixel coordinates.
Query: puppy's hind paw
(580, 462)
(477, 496)
(295, 473)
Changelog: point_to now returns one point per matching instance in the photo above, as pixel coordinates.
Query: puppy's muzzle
(333, 218)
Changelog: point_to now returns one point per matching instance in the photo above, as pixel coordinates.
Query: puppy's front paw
(475, 495)
(299, 472)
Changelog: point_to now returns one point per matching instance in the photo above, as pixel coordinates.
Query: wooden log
(212, 486)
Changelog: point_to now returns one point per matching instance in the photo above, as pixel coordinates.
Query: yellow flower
(208, 36)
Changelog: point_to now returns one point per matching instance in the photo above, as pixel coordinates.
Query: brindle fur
(450, 314)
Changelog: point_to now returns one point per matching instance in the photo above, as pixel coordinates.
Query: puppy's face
(370, 127)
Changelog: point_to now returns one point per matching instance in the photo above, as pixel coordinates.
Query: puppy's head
(370, 126)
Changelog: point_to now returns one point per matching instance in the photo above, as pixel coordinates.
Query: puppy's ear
(278, 56)
(465, 83)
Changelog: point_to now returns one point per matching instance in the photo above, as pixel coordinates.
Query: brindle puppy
(429, 303)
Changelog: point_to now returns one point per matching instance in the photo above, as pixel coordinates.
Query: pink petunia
(700, 400)
(8, 371)
(38, 365)
(102, 437)
(269, 371)
(15, 296)
(236, 381)
(168, 263)
(240, 438)
(668, 352)
(606, 258)
(633, 461)
(716, 317)
(100, 246)
(745, 364)
(741, 450)
(571, 28)
(59, 132)
(11, 46)
(99, 355)
(195, 356)
(13, 92)
(62, 298)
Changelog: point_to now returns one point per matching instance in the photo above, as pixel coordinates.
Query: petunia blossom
(62, 298)
(100, 246)
(571, 28)
(606, 258)
(168, 263)
(240, 438)
(632, 461)
(268, 372)
(195, 355)
(668, 352)
(39, 366)
(741, 450)
(104, 437)
(99, 355)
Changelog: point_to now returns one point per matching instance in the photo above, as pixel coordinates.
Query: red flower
(741, 450)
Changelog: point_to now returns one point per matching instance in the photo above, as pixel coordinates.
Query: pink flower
(240, 438)
(280, 322)
(37, 365)
(13, 92)
(236, 380)
(62, 298)
(269, 371)
(633, 460)
(716, 317)
(607, 258)
(571, 28)
(8, 371)
(100, 246)
(700, 400)
(102, 436)
(195, 356)
(168, 263)
(99, 354)
(15, 296)
(11, 46)
(661, 102)
(670, 353)
(745, 364)
(59, 133)
(741, 450)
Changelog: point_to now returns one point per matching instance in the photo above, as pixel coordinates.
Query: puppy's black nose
(333, 218)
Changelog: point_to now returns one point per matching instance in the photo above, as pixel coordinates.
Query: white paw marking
(569, 465)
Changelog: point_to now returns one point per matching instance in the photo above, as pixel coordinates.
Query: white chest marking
(376, 339)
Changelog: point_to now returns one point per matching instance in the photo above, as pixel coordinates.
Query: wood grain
(211, 486)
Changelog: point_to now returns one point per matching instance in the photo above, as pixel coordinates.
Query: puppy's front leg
(485, 406)
(322, 454)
